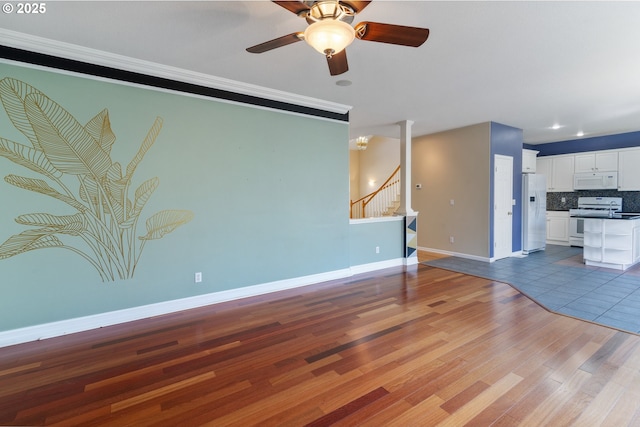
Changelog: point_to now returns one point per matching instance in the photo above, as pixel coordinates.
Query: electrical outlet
(197, 277)
(451, 239)
(377, 249)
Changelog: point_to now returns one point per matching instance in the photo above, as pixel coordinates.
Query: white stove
(590, 207)
(598, 207)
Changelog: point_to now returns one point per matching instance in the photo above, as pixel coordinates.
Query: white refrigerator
(534, 212)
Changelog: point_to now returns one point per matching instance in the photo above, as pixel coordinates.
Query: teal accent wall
(365, 236)
(269, 193)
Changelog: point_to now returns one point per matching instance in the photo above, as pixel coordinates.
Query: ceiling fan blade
(338, 63)
(357, 6)
(275, 43)
(292, 6)
(389, 33)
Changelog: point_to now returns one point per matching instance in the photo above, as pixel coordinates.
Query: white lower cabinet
(611, 243)
(558, 228)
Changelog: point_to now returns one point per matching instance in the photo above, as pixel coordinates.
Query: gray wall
(453, 165)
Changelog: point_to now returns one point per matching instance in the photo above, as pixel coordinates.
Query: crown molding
(70, 51)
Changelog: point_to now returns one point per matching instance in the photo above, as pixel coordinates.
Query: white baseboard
(410, 261)
(458, 254)
(558, 242)
(366, 268)
(79, 324)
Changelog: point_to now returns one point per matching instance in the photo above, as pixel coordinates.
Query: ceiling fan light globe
(329, 35)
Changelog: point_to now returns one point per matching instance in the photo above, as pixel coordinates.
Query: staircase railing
(378, 202)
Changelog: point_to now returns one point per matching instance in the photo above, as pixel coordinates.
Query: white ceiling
(525, 64)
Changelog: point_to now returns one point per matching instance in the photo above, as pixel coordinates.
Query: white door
(503, 206)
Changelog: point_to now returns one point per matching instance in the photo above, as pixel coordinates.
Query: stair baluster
(382, 202)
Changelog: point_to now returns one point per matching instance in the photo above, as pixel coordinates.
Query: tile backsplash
(630, 199)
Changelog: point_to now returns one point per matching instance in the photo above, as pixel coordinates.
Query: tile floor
(557, 279)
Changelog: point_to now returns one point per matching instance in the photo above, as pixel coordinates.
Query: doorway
(503, 206)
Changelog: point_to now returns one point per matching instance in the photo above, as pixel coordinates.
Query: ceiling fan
(330, 30)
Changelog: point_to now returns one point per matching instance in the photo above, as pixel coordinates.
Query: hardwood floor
(417, 348)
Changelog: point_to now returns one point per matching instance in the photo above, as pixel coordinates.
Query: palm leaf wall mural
(64, 151)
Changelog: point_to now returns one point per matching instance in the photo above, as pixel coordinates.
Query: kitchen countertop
(624, 215)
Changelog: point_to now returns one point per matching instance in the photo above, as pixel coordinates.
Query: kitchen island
(612, 242)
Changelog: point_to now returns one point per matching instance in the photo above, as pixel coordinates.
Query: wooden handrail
(373, 193)
(366, 199)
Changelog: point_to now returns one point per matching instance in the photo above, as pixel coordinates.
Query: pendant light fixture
(329, 36)
(329, 31)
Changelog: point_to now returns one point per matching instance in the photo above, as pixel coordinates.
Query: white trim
(374, 266)
(162, 89)
(93, 56)
(376, 219)
(607, 265)
(412, 260)
(458, 254)
(558, 242)
(79, 324)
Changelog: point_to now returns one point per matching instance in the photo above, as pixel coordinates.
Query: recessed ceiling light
(555, 126)
(580, 133)
(343, 83)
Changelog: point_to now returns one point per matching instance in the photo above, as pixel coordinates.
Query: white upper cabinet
(629, 170)
(562, 173)
(606, 161)
(529, 160)
(543, 167)
(558, 170)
